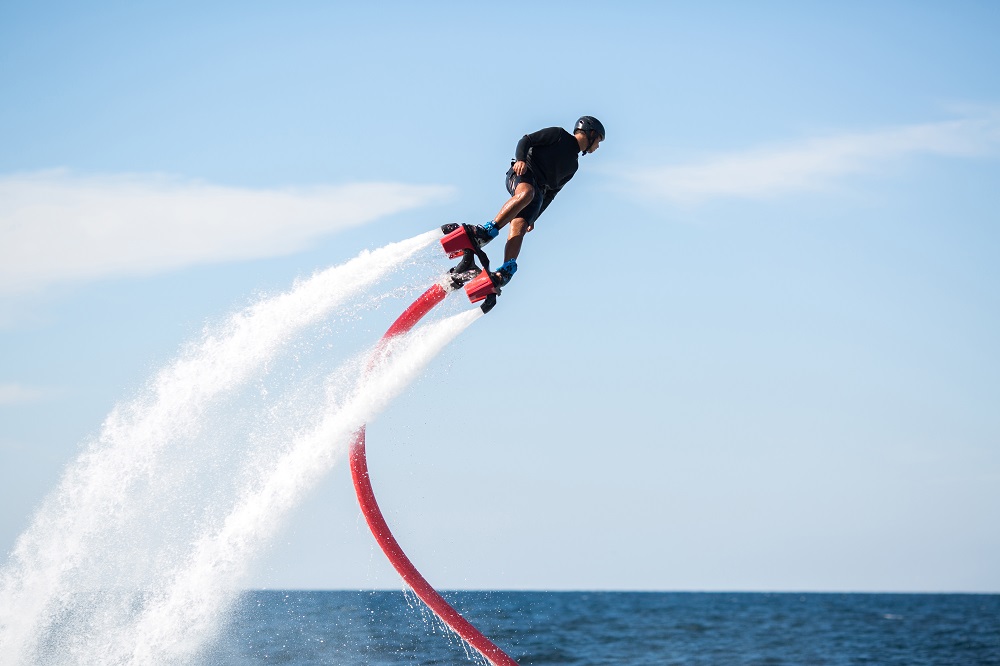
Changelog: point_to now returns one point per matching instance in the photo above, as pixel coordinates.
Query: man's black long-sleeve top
(553, 155)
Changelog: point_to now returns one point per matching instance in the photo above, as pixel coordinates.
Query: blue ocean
(389, 628)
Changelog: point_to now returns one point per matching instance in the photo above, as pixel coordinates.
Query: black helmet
(590, 124)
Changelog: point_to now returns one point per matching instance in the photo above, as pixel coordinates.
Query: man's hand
(520, 167)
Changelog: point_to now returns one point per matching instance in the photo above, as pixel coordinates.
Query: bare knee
(524, 194)
(518, 228)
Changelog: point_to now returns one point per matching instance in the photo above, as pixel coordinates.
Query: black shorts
(533, 209)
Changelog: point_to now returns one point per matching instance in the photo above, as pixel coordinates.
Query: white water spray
(73, 592)
(178, 621)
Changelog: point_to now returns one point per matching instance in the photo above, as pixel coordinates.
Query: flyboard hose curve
(380, 529)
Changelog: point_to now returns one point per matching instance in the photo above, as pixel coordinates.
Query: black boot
(481, 234)
(505, 272)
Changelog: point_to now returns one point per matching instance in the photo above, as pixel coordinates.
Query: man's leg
(523, 195)
(518, 228)
(521, 198)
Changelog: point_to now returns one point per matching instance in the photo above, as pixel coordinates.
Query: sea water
(388, 628)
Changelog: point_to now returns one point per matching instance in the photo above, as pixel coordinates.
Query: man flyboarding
(544, 161)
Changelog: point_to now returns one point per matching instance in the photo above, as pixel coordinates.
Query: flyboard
(480, 285)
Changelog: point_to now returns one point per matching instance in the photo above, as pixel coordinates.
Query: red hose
(380, 529)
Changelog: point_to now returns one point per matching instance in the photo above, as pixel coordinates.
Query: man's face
(597, 143)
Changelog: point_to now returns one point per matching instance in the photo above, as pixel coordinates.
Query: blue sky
(752, 345)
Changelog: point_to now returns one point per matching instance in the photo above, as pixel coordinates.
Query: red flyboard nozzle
(456, 242)
(480, 287)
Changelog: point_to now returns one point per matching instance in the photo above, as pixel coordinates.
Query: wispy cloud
(56, 226)
(14, 394)
(816, 163)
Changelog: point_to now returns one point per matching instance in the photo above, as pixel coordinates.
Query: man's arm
(521, 152)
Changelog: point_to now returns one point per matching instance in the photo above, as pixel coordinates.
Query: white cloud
(816, 163)
(56, 226)
(12, 394)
